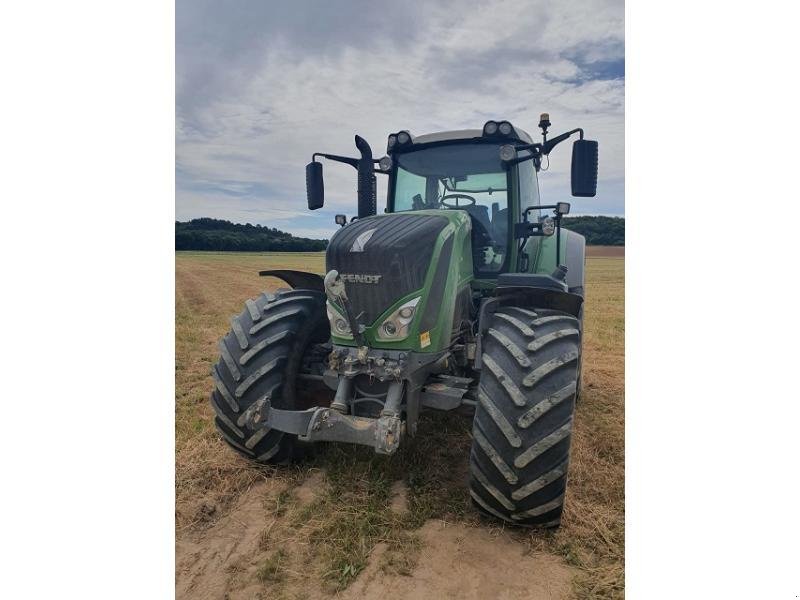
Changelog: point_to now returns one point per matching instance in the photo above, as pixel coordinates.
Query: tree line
(598, 231)
(221, 235)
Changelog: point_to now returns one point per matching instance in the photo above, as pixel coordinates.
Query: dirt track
(352, 525)
(455, 561)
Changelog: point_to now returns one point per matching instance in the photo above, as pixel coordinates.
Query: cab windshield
(468, 177)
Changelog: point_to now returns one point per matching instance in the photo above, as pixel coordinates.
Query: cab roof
(463, 134)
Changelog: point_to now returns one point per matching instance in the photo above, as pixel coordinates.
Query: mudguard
(297, 279)
(537, 290)
(575, 250)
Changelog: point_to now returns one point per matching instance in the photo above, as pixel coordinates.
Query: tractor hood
(387, 261)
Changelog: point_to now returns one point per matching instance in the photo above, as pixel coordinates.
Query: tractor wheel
(523, 421)
(270, 342)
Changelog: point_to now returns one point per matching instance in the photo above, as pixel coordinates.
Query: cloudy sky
(263, 85)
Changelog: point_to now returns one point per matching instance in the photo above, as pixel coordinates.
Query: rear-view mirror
(584, 168)
(315, 188)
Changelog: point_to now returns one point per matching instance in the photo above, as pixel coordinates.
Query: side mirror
(315, 188)
(584, 168)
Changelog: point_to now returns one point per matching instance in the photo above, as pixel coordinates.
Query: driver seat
(480, 213)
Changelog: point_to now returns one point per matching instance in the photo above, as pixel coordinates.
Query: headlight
(396, 326)
(338, 321)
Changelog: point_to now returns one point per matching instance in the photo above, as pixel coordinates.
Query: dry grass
(330, 538)
(605, 251)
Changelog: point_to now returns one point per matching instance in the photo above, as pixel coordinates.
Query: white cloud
(242, 143)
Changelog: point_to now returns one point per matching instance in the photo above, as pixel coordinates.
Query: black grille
(399, 250)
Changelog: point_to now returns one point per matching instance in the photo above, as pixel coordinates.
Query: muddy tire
(261, 356)
(523, 421)
(579, 384)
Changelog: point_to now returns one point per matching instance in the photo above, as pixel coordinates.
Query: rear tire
(261, 356)
(523, 421)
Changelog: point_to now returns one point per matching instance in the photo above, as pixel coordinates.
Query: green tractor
(466, 294)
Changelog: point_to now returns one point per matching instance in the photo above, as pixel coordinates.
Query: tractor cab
(463, 171)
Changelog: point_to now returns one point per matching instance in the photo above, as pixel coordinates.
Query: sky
(260, 86)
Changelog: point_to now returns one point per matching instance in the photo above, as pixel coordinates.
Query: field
(351, 524)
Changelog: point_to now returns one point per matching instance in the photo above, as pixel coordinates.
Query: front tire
(261, 356)
(523, 421)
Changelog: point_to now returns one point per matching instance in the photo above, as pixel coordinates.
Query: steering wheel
(456, 197)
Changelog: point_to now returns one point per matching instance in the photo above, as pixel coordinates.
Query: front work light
(490, 128)
(507, 152)
(562, 208)
(505, 128)
(403, 137)
(341, 220)
(385, 164)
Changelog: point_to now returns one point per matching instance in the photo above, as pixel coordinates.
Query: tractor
(465, 294)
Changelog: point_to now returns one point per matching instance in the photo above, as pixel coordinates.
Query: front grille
(399, 250)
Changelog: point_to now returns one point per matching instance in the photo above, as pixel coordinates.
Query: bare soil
(455, 561)
(350, 524)
(467, 563)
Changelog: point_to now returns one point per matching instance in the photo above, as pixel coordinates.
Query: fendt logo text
(358, 278)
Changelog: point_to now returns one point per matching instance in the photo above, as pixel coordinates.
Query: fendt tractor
(465, 294)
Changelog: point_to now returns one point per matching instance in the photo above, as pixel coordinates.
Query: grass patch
(270, 569)
(402, 556)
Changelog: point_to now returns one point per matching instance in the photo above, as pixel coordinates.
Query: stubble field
(350, 524)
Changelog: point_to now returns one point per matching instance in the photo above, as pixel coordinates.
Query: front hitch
(323, 424)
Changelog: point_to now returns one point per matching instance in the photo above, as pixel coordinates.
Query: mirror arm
(548, 146)
(353, 162)
(536, 153)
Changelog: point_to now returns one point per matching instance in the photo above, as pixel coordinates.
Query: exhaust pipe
(367, 192)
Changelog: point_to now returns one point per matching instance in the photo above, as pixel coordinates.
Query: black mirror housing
(315, 188)
(584, 168)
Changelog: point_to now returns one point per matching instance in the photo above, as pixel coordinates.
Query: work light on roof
(403, 137)
(490, 128)
(505, 128)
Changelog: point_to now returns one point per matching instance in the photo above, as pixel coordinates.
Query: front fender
(538, 290)
(297, 279)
